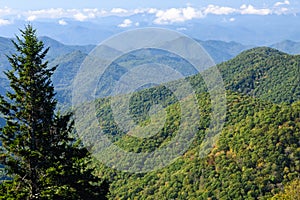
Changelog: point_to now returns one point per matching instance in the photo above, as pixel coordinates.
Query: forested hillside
(262, 72)
(257, 155)
(258, 151)
(265, 73)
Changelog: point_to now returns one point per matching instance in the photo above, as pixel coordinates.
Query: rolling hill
(69, 58)
(257, 153)
(265, 73)
(287, 46)
(223, 51)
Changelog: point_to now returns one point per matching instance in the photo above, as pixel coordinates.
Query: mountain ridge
(66, 54)
(257, 153)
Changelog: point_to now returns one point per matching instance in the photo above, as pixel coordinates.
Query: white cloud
(126, 23)
(80, 17)
(94, 12)
(286, 2)
(232, 19)
(189, 13)
(217, 10)
(118, 10)
(62, 22)
(47, 13)
(169, 16)
(87, 10)
(31, 18)
(4, 22)
(140, 10)
(6, 11)
(279, 7)
(57, 13)
(161, 16)
(280, 11)
(137, 24)
(85, 14)
(52, 13)
(250, 10)
(283, 10)
(173, 15)
(152, 10)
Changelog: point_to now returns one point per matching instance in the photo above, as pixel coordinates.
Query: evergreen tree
(40, 155)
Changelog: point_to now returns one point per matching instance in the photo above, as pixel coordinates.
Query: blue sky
(128, 4)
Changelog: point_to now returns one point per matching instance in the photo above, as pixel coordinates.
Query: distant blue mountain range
(246, 29)
(69, 58)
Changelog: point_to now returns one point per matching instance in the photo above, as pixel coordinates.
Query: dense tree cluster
(265, 73)
(257, 154)
(42, 158)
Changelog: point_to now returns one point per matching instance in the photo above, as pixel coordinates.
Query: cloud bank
(286, 2)
(4, 22)
(161, 16)
(126, 23)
